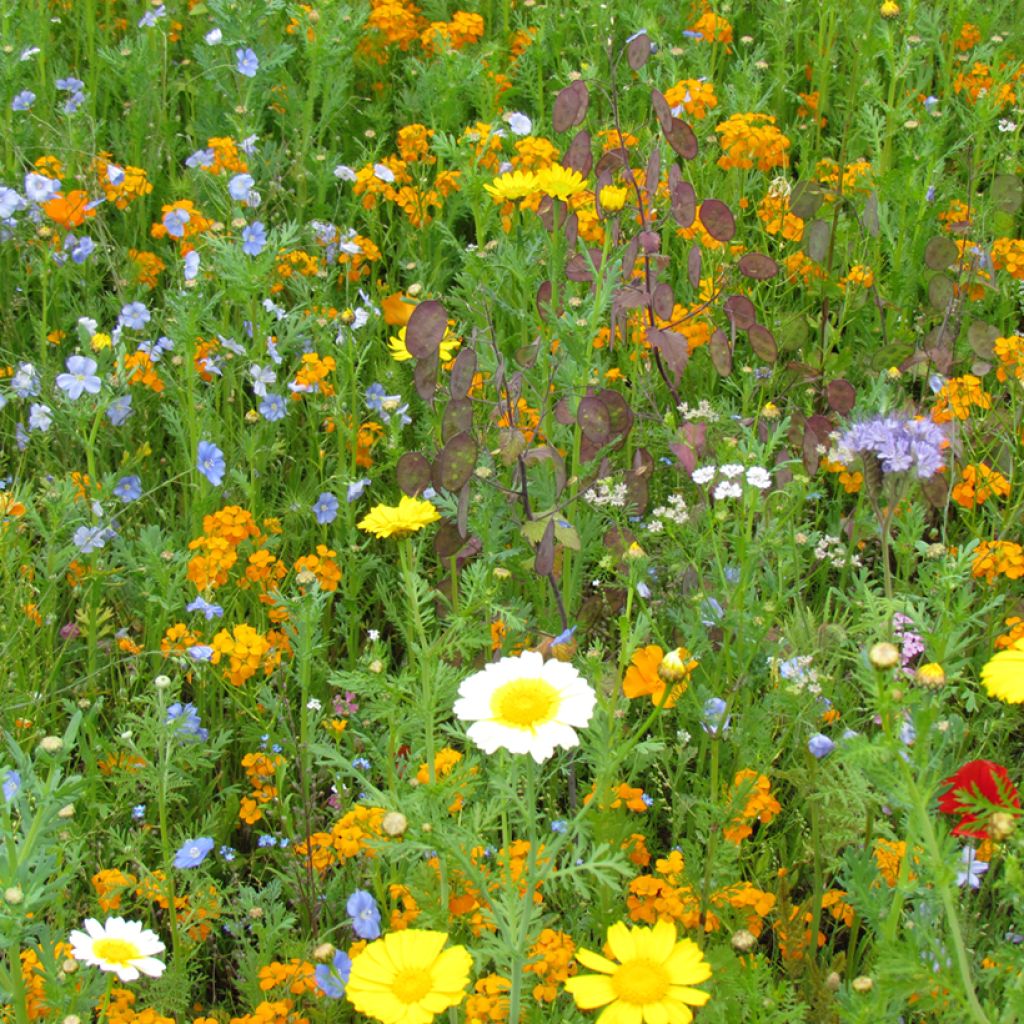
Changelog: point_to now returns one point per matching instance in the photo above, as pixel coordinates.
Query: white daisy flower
(526, 705)
(123, 947)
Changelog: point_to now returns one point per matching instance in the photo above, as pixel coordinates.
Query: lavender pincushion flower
(898, 442)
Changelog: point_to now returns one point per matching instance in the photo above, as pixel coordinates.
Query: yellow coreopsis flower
(513, 185)
(408, 977)
(400, 352)
(1003, 676)
(653, 979)
(613, 197)
(560, 182)
(408, 516)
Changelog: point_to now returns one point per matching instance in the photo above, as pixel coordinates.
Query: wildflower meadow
(511, 511)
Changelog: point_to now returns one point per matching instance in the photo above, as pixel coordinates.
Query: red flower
(976, 782)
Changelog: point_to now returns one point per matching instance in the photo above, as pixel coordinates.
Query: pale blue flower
(193, 852)
(273, 408)
(24, 100)
(254, 238)
(210, 611)
(210, 462)
(332, 978)
(247, 62)
(325, 508)
(119, 409)
(365, 914)
(134, 315)
(972, 870)
(40, 417)
(89, 538)
(175, 220)
(820, 745)
(81, 377)
(128, 488)
(240, 186)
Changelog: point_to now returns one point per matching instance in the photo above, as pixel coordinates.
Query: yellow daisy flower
(560, 182)
(400, 353)
(408, 516)
(1003, 676)
(513, 185)
(408, 977)
(652, 982)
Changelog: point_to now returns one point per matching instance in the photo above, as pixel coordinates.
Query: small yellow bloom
(100, 341)
(613, 197)
(513, 185)
(889, 9)
(400, 353)
(1003, 676)
(560, 182)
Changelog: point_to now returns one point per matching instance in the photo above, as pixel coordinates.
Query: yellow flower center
(525, 703)
(116, 951)
(641, 982)
(411, 985)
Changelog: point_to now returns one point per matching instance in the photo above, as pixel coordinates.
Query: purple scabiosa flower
(24, 100)
(365, 914)
(820, 745)
(186, 720)
(332, 978)
(898, 442)
(81, 377)
(247, 62)
(128, 488)
(325, 508)
(210, 462)
(254, 238)
(193, 852)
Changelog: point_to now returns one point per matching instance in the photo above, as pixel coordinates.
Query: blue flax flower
(210, 462)
(81, 377)
(332, 978)
(820, 745)
(11, 785)
(365, 914)
(247, 62)
(325, 508)
(193, 852)
(186, 719)
(254, 238)
(128, 488)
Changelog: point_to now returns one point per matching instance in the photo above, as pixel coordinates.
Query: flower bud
(51, 744)
(1001, 825)
(862, 984)
(324, 951)
(394, 823)
(67, 811)
(14, 895)
(884, 655)
(931, 676)
(676, 666)
(162, 682)
(743, 941)
(833, 981)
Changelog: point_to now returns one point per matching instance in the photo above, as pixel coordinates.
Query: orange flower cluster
(246, 651)
(148, 267)
(278, 1011)
(489, 1000)
(142, 370)
(223, 532)
(800, 267)
(977, 484)
(534, 153)
(445, 761)
(712, 28)
(750, 140)
(664, 896)
(226, 156)
(970, 36)
(261, 770)
(463, 29)
(856, 176)
(956, 216)
(623, 795)
(405, 909)
(759, 804)
(694, 96)
(322, 565)
(487, 146)
(298, 261)
(1014, 633)
(351, 835)
(134, 184)
(1010, 352)
(121, 1010)
(311, 378)
(296, 974)
(773, 212)
(995, 558)
(196, 224)
(958, 396)
(978, 82)
(414, 143)
(33, 977)
(859, 276)
(852, 482)
(551, 959)
(889, 856)
(110, 885)
(1008, 255)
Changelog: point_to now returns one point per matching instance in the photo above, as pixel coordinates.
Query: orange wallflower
(759, 804)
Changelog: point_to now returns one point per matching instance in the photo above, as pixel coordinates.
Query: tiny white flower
(727, 489)
(759, 478)
(731, 470)
(344, 173)
(213, 37)
(519, 124)
(383, 173)
(704, 475)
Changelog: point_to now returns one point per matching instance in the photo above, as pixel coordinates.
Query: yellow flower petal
(590, 990)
